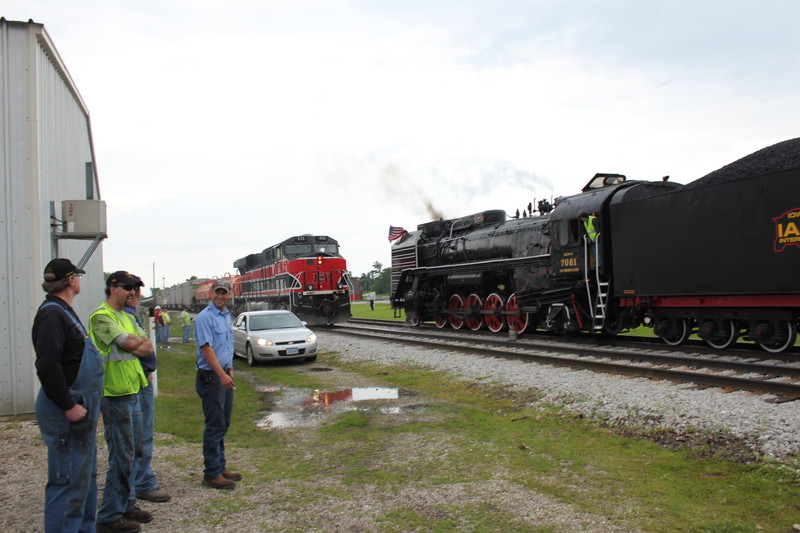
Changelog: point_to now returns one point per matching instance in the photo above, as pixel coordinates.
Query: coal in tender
(781, 156)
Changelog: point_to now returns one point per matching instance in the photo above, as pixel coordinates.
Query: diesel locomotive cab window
(297, 249)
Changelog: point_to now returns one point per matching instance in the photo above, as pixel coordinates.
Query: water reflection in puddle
(293, 408)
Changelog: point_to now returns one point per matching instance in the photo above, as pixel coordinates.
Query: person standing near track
(159, 324)
(114, 334)
(167, 320)
(215, 384)
(186, 323)
(145, 484)
(70, 370)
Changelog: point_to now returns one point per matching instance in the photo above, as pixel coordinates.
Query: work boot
(233, 476)
(219, 482)
(156, 495)
(120, 525)
(138, 514)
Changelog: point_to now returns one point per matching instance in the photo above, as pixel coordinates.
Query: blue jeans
(119, 414)
(144, 479)
(71, 491)
(186, 333)
(217, 408)
(164, 331)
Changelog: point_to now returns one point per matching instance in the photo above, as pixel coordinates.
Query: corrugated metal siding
(46, 143)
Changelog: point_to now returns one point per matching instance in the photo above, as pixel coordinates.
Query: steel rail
(533, 353)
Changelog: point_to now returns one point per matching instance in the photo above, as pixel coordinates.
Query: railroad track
(738, 372)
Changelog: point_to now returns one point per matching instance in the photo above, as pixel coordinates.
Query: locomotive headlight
(310, 288)
(312, 338)
(264, 342)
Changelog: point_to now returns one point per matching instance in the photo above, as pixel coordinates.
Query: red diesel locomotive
(305, 274)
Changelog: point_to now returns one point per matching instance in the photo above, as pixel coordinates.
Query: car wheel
(251, 360)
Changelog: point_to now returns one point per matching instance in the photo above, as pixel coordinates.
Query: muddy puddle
(286, 408)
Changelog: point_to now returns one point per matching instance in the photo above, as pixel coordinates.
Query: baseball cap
(60, 268)
(122, 277)
(221, 284)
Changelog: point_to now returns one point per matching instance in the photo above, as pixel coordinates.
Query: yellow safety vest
(123, 371)
(591, 230)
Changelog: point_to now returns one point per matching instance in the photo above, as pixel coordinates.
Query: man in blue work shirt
(215, 384)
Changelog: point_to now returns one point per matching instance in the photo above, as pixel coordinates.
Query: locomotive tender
(719, 257)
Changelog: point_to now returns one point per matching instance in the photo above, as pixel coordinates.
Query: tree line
(377, 280)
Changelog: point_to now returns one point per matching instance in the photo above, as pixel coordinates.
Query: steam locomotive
(719, 257)
(305, 274)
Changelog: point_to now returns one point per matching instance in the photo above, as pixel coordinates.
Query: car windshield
(279, 321)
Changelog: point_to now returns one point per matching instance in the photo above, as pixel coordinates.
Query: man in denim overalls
(71, 372)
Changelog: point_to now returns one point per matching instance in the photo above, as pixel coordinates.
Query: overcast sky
(221, 128)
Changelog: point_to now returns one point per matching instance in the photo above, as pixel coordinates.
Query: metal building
(49, 198)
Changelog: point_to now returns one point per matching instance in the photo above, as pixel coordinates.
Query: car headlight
(312, 338)
(264, 342)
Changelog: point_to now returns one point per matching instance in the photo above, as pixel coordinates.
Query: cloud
(221, 129)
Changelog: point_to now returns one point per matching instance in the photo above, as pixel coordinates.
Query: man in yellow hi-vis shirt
(114, 334)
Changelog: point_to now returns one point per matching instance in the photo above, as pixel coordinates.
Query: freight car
(718, 257)
(202, 294)
(305, 274)
(181, 295)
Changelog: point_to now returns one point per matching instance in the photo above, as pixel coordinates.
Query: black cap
(60, 268)
(123, 277)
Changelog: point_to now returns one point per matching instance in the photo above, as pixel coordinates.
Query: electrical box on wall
(84, 216)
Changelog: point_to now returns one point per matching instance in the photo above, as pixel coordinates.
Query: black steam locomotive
(719, 257)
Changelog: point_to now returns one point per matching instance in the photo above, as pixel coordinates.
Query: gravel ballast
(768, 429)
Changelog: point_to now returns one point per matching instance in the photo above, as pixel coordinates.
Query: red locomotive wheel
(440, 321)
(516, 320)
(492, 306)
(473, 307)
(455, 304)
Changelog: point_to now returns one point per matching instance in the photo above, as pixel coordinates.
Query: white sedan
(272, 335)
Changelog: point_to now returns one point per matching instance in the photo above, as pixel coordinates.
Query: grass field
(472, 434)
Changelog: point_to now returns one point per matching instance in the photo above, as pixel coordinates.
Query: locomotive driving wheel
(493, 305)
(473, 306)
(455, 305)
(786, 333)
(440, 321)
(516, 320)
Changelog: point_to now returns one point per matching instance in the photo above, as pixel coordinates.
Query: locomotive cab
(577, 249)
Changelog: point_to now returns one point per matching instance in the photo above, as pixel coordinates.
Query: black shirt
(59, 346)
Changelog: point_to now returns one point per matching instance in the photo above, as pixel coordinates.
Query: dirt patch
(324, 503)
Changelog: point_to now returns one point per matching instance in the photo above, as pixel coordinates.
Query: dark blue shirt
(148, 361)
